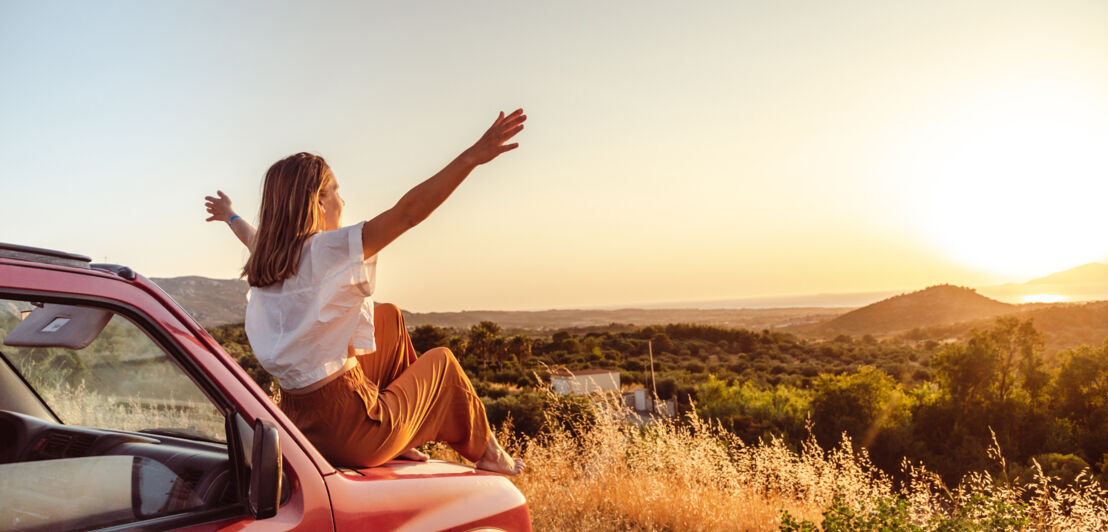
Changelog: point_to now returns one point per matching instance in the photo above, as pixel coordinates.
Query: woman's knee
(442, 353)
(388, 316)
(386, 311)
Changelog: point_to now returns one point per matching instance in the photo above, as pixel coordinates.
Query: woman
(349, 376)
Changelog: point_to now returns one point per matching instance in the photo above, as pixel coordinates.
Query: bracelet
(232, 219)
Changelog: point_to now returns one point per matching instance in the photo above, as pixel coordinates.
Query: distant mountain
(214, 302)
(210, 301)
(1088, 282)
(1070, 324)
(221, 301)
(1064, 325)
(760, 318)
(830, 300)
(936, 305)
(1092, 273)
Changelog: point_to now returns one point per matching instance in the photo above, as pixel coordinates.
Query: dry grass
(162, 404)
(613, 472)
(692, 475)
(668, 476)
(79, 406)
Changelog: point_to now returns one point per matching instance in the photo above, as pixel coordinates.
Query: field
(991, 430)
(596, 466)
(603, 469)
(604, 473)
(775, 432)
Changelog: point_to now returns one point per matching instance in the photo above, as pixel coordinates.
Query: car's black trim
(188, 518)
(47, 256)
(116, 269)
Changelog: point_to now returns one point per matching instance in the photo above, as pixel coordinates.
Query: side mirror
(264, 495)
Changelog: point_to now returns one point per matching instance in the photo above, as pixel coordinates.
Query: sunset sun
(1013, 183)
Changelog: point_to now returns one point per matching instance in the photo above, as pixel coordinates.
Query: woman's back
(300, 328)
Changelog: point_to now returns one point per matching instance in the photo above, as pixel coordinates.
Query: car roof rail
(121, 271)
(44, 256)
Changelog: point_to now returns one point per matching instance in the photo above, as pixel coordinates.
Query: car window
(137, 438)
(92, 492)
(121, 380)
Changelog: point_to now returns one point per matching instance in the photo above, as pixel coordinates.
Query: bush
(535, 413)
(506, 376)
(1062, 468)
(427, 337)
(891, 514)
(693, 366)
(484, 389)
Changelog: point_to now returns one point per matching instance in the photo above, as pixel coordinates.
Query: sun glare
(1043, 298)
(1014, 183)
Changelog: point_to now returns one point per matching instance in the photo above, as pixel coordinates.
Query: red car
(117, 410)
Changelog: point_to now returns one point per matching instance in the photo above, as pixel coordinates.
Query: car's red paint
(396, 496)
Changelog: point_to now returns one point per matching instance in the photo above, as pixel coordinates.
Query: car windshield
(108, 374)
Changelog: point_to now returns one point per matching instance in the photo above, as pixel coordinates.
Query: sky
(685, 151)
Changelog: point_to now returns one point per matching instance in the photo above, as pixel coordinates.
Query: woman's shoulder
(330, 252)
(339, 239)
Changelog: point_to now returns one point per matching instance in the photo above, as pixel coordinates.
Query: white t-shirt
(300, 328)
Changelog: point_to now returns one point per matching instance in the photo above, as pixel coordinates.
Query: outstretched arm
(421, 201)
(220, 210)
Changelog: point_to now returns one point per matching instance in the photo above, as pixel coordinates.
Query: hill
(936, 305)
(211, 302)
(1063, 325)
(1070, 324)
(757, 319)
(944, 311)
(214, 302)
(1092, 273)
(1083, 283)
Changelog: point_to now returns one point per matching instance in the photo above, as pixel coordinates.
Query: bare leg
(497, 460)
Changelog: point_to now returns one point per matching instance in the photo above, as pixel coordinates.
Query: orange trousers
(392, 401)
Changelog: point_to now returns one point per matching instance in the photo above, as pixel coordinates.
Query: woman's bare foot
(497, 460)
(414, 455)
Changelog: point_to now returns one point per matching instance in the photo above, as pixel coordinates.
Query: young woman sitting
(349, 376)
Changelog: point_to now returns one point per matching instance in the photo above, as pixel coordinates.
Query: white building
(643, 403)
(585, 381)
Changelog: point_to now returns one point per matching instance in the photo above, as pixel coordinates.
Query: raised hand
(492, 143)
(419, 202)
(219, 208)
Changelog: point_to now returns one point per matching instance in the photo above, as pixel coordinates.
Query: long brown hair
(290, 214)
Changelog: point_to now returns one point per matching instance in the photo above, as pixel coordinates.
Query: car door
(115, 413)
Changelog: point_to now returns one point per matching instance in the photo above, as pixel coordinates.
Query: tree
(427, 337)
(490, 326)
(482, 340)
(498, 350)
(1017, 345)
(868, 406)
(1081, 395)
(479, 344)
(993, 364)
(966, 372)
(520, 346)
(661, 343)
(458, 346)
